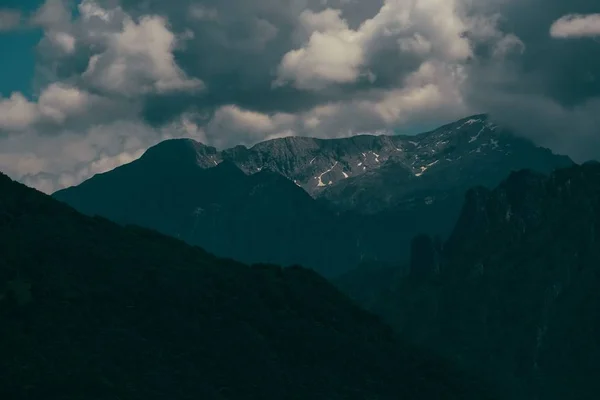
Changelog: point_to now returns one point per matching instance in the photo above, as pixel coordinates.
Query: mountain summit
(338, 202)
(341, 170)
(369, 174)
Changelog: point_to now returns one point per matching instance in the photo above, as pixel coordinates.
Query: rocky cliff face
(516, 296)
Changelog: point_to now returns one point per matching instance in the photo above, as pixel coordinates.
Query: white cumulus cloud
(409, 29)
(138, 59)
(576, 26)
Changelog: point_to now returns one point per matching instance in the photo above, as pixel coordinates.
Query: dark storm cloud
(551, 91)
(569, 70)
(236, 48)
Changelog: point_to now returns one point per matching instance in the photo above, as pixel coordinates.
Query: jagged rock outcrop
(517, 294)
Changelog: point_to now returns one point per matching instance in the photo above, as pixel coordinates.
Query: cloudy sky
(88, 85)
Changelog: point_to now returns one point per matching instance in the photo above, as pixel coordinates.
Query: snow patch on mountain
(474, 138)
(426, 167)
(321, 184)
(470, 121)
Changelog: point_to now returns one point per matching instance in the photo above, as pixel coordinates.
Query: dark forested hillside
(92, 310)
(514, 293)
(262, 217)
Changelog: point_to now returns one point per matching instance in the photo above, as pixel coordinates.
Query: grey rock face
(370, 174)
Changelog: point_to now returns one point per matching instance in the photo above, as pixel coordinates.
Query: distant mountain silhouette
(91, 310)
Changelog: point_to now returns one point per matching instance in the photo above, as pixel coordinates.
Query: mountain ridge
(279, 153)
(401, 189)
(338, 169)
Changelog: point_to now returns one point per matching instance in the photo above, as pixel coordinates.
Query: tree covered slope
(93, 310)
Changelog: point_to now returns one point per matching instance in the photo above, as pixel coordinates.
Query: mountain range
(497, 280)
(91, 310)
(326, 204)
(513, 292)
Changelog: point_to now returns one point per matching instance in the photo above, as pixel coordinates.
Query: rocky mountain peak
(325, 167)
(523, 203)
(182, 151)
